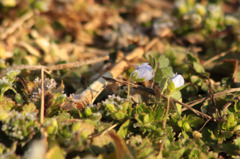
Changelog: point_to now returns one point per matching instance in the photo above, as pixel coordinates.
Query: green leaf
(163, 84)
(18, 98)
(162, 73)
(110, 107)
(194, 121)
(176, 95)
(152, 61)
(3, 90)
(11, 75)
(163, 61)
(167, 72)
(158, 75)
(27, 108)
(159, 113)
(198, 67)
(119, 115)
(171, 87)
(123, 130)
(87, 111)
(191, 58)
(187, 127)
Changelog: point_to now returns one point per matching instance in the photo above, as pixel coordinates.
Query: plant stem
(128, 91)
(42, 98)
(165, 84)
(166, 115)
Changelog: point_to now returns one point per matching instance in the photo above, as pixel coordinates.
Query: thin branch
(211, 94)
(108, 129)
(56, 67)
(151, 91)
(228, 104)
(204, 125)
(214, 58)
(216, 95)
(42, 98)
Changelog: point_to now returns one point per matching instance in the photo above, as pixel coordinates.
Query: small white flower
(178, 80)
(144, 72)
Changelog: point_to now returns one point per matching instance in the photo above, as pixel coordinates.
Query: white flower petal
(144, 71)
(178, 80)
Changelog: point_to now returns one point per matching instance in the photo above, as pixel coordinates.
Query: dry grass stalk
(42, 98)
(55, 67)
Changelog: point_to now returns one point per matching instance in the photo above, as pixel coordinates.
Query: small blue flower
(144, 72)
(178, 80)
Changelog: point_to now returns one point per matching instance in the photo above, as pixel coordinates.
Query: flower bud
(197, 134)
(144, 72)
(186, 127)
(178, 80)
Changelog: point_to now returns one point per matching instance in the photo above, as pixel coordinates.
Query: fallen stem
(218, 56)
(55, 67)
(151, 91)
(42, 98)
(204, 125)
(216, 95)
(128, 91)
(228, 104)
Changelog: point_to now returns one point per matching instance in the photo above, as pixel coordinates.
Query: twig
(151, 91)
(160, 149)
(108, 129)
(18, 23)
(30, 48)
(228, 104)
(204, 125)
(151, 44)
(218, 56)
(42, 98)
(216, 95)
(211, 94)
(91, 93)
(56, 67)
(104, 131)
